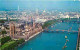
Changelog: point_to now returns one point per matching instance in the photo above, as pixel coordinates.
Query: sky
(39, 0)
(23, 4)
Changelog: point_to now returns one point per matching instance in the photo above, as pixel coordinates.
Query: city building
(12, 29)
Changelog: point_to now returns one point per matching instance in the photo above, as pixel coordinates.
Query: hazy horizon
(33, 4)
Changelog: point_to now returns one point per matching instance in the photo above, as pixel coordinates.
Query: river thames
(54, 40)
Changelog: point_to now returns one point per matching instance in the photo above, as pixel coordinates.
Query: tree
(20, 41)
(3, 32)
(5, 39)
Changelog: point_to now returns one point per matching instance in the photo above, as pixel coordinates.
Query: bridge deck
(60, 30)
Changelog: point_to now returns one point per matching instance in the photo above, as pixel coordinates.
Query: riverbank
(33, 35)
(30, 38)
(78, 41)
(48, 23)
